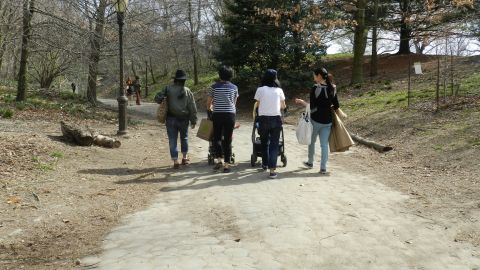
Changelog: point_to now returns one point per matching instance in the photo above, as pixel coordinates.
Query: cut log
(76, 135)
(380, 148)
(105, 141)
(84, 137)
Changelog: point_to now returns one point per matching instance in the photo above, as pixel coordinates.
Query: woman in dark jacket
(323, 98)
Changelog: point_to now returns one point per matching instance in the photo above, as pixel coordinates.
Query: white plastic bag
(304, 128)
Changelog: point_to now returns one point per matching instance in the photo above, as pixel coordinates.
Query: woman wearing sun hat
(182, 113)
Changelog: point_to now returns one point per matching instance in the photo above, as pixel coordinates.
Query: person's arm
(283, 105)
(192, 109)
(209, 103)
(301, 102)
(160, 96)
(210, 99)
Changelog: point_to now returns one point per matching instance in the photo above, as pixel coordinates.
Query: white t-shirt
(269, 98)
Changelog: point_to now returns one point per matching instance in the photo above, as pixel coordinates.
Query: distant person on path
(323, 98)
(221, 100)
(74, 87)
(129, 90)
(136, 89)
(271, 100)
(182, 112)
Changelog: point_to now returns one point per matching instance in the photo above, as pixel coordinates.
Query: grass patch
(6, 113)
(335, 56)
(44, 167)
(470, 86)
(56, 154)
(475, 142)
(134, 122)
(376, 101)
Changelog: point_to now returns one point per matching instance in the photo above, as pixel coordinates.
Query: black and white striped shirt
(224, 95)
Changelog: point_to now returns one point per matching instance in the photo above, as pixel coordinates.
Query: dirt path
(243, 220)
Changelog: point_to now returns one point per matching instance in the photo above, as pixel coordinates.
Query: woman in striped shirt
(221, 101)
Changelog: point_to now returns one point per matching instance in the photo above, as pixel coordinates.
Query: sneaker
(226, 169)
(308, 165)
(218, 166)
(323, 171)
(273, 175)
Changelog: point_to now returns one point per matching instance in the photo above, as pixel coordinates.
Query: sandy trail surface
(301, 220)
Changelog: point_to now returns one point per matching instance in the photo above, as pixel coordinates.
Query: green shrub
(6, 113)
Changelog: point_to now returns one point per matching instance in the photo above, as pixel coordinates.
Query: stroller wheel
(283, 158)
(232, 159)
(253, 160)
(210, 159)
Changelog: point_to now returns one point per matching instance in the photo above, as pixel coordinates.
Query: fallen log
(83, 137)
(380, 148)
(76, 135)
(105, 141)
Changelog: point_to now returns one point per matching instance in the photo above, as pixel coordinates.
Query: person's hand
(193, 126)
(300, 101)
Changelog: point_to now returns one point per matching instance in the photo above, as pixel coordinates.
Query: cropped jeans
(322, 131)
(270, 128)
(174, 127)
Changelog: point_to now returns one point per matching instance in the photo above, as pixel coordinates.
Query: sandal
(185, 161)
(218, 166)
(176, 165)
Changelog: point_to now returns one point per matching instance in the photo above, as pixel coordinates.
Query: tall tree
(28, 7)
(194, 29)
(374, 61)
(359, 42)
(96, 41)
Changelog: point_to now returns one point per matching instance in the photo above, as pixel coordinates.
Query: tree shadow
(240, 175)
(60, 138)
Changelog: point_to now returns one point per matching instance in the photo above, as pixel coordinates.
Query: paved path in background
(146, 109)
(302, 220)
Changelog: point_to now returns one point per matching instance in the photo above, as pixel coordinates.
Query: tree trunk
(95, 47)
(151, 72)
(22, 74)
(374, 61)
(133, 69)
(359, 43)
(405, 28)
(193, 43)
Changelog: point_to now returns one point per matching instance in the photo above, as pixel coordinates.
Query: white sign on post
(418, 67)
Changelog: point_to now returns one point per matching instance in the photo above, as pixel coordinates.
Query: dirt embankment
(58, 200)
(436, 155)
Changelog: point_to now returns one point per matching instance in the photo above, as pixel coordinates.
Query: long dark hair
(179, 82)
(326, 76)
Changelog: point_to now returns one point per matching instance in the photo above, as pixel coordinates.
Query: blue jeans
(269, 128)
(322, 131)
(175, 126)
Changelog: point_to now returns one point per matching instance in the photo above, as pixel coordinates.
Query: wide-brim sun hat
(180, 75)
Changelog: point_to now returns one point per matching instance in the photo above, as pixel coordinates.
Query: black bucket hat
(180, 75)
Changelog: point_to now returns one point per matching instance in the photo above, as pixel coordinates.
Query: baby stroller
(211, 153)
(211, 148)
(257, 145)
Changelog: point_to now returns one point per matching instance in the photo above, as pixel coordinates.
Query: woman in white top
(271, 100)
